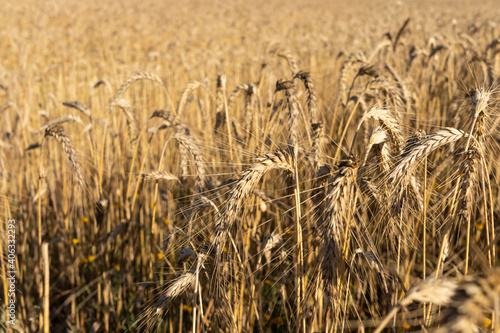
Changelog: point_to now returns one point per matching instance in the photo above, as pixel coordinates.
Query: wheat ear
(125, 85)
(280, 159)
(339, 203)
(410, 158)
(58, 133)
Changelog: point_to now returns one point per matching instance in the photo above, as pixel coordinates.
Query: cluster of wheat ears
(313, 189)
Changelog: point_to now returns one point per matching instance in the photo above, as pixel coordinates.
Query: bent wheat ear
(188, 144)
(61, 120)
(389, 121)
(170, 119)
(465, 300)
(378, 137)
(473, 297)
(79, 106)
(280, 159)
(180, 285)
(411, 156)
(479, 103)
(437, 291)
(311, 95)
(401, 191)
(58, 133)
(315, 123)
(248, 88)
(290, 58)
(125, 85)
(220, 102)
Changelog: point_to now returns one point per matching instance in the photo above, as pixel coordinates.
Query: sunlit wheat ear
(184, 282)
(370, 189)
(378, 138)
(311, 95)
(270, 243)
(474, 297)
(388, 120)
(61, 120)
(469, 179)
(317, 145)
(413, 154)
(280, 159)
(290, 58)
(198, 204)
(402, 174)
(247, 88)
(170, 119)
(189, 145)
(479, 104)
(474, 150)
(409, 184)
(315, 123)
(293, 107)
(69, 149)
(191, 86)
(177, 287)
(80, 107)
(465, 301)
(436, 291)
(125, 85)
(339, 204)
(250, 91)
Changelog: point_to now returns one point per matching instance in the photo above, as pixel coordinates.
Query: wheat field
(232, 166)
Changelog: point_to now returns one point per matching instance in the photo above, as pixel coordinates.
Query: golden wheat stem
(466, 269)
(46, 287)
(300, 251)
(132, 163)
(424, 220)
(195, 307)
(39, 212)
